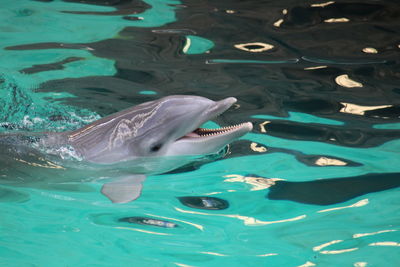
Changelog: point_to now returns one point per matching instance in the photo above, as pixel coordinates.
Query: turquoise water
(316, 183)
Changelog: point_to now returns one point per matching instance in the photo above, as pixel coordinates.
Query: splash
(25, 110)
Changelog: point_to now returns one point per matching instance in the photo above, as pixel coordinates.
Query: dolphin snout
(221, 106)
(227, 102)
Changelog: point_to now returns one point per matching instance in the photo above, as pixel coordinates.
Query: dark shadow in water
(47, 46)
(124, 7)
(306, 16)
(205, 203)
(333, 191)
(310, 160)
(52, 66)
(116, 220)
(148, 221)
(351, 136)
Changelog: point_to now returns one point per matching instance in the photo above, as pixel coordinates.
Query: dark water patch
(131, 18)
(148, 221)
(316, 81)
(340, 30)
(236, 23)
(126, 221)
(343, 61)
(362, 117)
(353, 137)
(112, 94)
(251, 61)
(136, 76)
(326, 160)
(333, 191)
(319, 71)
(307, 16)
(186, 168)
(8, 195)
(51, 45)
(52, 66)
(319, 106)
(174, 31)
(385, 113)
(243, 147)
(396, 90)
(205, 203)
(102, 91)
(124, 7)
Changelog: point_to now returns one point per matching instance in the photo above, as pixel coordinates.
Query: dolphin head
(169, 126)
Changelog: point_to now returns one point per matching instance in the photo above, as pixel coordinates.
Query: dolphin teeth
(203, 132)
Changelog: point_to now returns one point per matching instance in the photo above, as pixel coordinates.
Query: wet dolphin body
(153, 137)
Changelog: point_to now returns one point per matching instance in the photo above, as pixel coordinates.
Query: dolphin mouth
(203, 134)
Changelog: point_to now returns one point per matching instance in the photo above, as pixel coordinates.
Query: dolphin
(150, 138)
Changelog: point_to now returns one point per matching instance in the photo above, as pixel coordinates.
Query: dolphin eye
(156, 147)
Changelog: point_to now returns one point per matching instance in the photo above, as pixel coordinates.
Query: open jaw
(204, 133)
(229, 132)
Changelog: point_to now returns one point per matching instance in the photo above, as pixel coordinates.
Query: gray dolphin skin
(165, 127)
(150, 138)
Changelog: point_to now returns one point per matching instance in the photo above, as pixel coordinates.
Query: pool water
(316, 183)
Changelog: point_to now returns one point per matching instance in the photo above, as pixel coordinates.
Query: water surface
(315, 184)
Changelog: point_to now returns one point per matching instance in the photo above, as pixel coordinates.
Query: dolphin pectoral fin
(125, 189)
